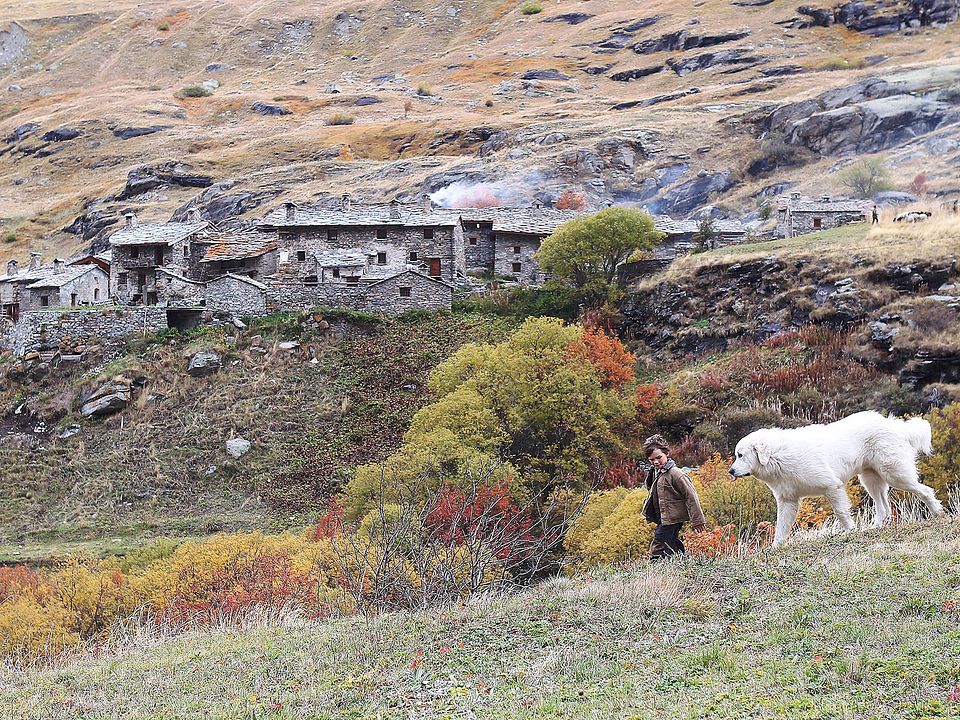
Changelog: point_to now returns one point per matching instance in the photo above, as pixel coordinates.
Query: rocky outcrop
(204, 363)
(571, 18)
(883, 17)
(685, 66)
(93, 226)
(148, 177)
(61, 134)
(636, 74)
(132, 132)
(106, 400)
(268, 109)
(683, 40)
(688, 196)
(623, 35)
(546, 74)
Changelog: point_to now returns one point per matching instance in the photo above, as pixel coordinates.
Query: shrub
(866, 177)
(570, 200)
(163, 25)
(919, 184)
(611, 529)
(340, 119)
(941, 471)
(193, 91)
(10, 237)
(531, 8)
(743, 502)
(842, 63)
(424, 90)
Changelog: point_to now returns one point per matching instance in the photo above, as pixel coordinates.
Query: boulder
(148, 177)
(546, 74)
(262, 108)
(366, 100)
(204, 363)
(132, 132)
(636, 74)
(237, 447)
(106, 400)
(61, 134)
(710, 60)
(571, 18)
(21, 132)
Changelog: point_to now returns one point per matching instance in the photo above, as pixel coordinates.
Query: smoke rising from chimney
(518, 192)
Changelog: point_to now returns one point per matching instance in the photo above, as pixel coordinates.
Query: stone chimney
(345, 202)
(537, 204)
(795, 195)
(608, 203)
(12, 267)
(394, 208)
(34, 261)
(130, 218)
(58, 266)
(290, 211)
(427, 204)
(824, 198)
(193, 215)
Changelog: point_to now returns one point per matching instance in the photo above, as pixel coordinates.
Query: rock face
(688, 196)
(93, 226)
(204, 363)
(106, 400)
(132, 132)
(870, 115)
(262, 108)
(685, 66)
(573, 18)
(148, 177)
(627, 75)
(884, 17)
(549, 74)
(61, 134)
(21, 132)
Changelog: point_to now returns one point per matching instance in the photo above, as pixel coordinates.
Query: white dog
(817, 460)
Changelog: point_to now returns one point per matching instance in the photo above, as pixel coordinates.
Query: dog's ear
(763, 453)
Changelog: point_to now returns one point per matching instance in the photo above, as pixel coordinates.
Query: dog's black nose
(732, 472)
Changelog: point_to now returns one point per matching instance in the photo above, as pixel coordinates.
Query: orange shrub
(570, 200)
(613, 363)
(718, 542)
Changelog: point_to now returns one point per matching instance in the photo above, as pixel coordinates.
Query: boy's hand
(699, 528)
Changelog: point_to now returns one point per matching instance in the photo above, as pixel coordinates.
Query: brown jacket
(678, 498)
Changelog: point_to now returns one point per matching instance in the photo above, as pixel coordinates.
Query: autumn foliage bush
(611, 529)
(941, 471)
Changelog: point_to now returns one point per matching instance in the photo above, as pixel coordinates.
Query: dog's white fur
(817, 460)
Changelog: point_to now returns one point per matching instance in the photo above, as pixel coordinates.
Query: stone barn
(797, 215)
(408, 290)
(67, 286)
(238, 295)
(245, 251)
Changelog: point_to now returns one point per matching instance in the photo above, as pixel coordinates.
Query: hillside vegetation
(851, 626)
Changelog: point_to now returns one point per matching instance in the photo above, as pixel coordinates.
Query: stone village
(385, 258)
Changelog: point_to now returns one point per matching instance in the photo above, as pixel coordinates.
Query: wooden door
(435, 267)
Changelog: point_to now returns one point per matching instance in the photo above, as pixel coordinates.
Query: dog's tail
(918, 435)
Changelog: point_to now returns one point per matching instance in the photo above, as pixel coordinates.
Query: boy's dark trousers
(667, 542)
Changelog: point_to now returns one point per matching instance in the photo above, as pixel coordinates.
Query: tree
(588, 250)
(866, 177)
(706, 235)
(570, 200)
(919, 185)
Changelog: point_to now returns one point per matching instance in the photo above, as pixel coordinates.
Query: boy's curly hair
(656, 442)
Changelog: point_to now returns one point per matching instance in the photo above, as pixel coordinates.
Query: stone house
(797, 215)
(177, 291)
(139, 250)
(391, 236)
(407, 290)
(239, 295)
(244, 251)
(67, 286)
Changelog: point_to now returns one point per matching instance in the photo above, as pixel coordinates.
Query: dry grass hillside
(116, 72)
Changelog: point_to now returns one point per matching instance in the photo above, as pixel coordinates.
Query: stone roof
(238, 245)
(28, 276)
(156, 234)
(341, 258)
(670, 226)
(531, 221)
(394, 275)
(824, 206)
(241, 278)
(363, 216)
(178, 276)
(65, 277)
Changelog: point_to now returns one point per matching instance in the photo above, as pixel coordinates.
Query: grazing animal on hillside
(817, 460)
(913, 216)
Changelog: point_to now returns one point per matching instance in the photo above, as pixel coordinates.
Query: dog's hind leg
(878, 490)
(904, 476)
(786, 517)
(838, 498)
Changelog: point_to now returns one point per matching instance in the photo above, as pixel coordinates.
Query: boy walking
(672, 500)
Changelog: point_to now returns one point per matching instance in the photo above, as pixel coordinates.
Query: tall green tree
(586, 251)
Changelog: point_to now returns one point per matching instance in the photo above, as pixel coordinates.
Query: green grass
(856, 626)
(193, 91)
(340, 119)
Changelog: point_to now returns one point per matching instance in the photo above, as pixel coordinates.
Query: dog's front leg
(787, 509)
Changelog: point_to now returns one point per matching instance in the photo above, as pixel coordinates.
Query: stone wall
(237, 297)
(253, 267)
(296, 296)
(399, 243)
(421, 293)
(479, 255)
(791, 223)
(177, 291)
(94, 325)
(91, 288)
(511, 249)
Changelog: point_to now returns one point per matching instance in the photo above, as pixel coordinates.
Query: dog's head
(752, 455)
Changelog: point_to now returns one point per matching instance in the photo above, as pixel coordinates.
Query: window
(473, 240)
(516, 249)
(73, 299)
(353, 280)
(336, 272)
(405, 292)
(381, 233)
(96, 294)
(310, 280)
(331, 234)
(122, 279)
(44, 301)
(413, 255)
(516, 267)
(817, 223)
(428, 233)
(301, 256)
(141, 280)
(381, 258)
(186, 252)
(134, 253)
